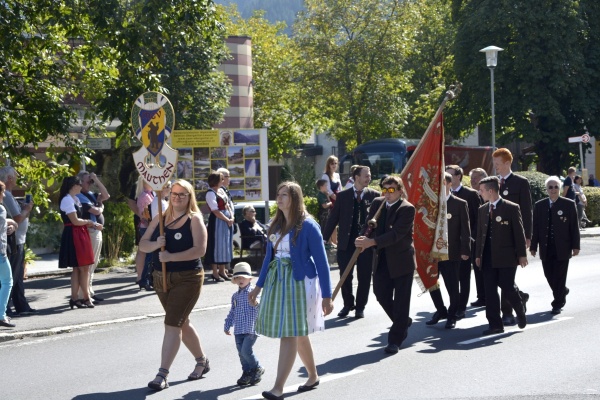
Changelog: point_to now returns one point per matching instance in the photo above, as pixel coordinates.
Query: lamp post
(491, 58)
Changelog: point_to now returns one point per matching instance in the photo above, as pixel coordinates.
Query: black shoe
(478, 303)
(345, 311)
(76, 303)
(522, 321)
(409, 322)
(450, 324)
(556, 310)
(359, 314)
(256, 376)
(460, 315)
(525, 299)
(391, 348)
(271, 396)
(306, 388)
(29, 311)
(509, 320)
(6, 323)
(492, 331)
(98, 298)
(437, 316)
(245, 379)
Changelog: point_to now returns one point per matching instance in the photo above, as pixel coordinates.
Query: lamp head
(491, 55)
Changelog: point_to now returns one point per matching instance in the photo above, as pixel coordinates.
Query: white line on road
(537, 325)
(325, 378)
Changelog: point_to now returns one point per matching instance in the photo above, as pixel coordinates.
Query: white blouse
(283, 248)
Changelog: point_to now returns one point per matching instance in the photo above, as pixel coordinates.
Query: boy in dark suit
(394, 261)
(556, 232)
(459, 249)
(350, 213)
(501, 247)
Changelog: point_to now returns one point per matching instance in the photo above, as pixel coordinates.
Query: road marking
(325, 378)
(515, 329)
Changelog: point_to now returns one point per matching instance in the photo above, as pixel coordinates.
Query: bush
(593, 204)
(119, 233)
(44, 233)
(312, 206)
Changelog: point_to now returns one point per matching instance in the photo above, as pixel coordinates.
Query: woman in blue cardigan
(297, 288)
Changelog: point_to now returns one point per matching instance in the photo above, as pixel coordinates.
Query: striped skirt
(289, 307)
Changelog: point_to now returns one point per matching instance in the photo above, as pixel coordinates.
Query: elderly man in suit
(394, 260)
(459, 249)
(501, 247)
(350, 213)
(473, 201)
(556, 232)
(514, 188)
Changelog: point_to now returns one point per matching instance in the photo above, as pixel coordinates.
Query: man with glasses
(473, 201)
(350, 212)
(556, 232)
(501, 247)
(393, 259)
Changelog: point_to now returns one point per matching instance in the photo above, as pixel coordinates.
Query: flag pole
(161, 224)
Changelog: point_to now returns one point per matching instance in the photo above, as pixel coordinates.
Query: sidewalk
(48, 291)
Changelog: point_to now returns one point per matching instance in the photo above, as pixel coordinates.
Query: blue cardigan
(307, 255)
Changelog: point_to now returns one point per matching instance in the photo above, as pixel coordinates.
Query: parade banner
(423, 177)
(153, 120)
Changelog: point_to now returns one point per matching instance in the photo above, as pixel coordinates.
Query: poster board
(244, 152)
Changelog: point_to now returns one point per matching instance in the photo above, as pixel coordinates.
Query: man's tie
(492, 207)
(502, 182)
(551, 204)
(358, 195)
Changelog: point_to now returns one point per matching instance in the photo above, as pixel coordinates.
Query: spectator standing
(20, 214)
(593, 182)
(75, 244)
(219, 251)
(242, 317)
(568, 191)
(333, 188)
(580, 200)
(324, 203)
(557, 235)
(5, 270)
(92, 209)
(144, 197)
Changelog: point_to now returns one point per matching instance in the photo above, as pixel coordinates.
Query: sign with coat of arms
(153, 121)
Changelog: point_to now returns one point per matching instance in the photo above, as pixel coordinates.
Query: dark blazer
(565, 223)
(341, 214)
(516, 189)
(459, 230)
(508, 236)
(473, 201)
(395, 237)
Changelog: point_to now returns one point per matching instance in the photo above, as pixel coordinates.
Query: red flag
(423, 178)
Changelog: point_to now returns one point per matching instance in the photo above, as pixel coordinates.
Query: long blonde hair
(140, 186)
(192, 207)
(297, 213)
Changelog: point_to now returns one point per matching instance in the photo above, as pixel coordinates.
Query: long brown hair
(328, 170)
(297, 213)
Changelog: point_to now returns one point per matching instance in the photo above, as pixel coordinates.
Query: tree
(279, 92)
(547, 76)
(354, 53)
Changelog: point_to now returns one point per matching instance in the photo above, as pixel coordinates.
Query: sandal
(160, 383)
(200, 362)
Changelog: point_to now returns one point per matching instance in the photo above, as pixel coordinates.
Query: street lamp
(491, 59)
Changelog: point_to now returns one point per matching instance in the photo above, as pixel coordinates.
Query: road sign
(99, 143)
(585, 138)
(575, 139)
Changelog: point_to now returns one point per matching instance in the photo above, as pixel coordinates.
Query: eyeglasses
(175, 195)
(225, 176)
(388, 190)
(552, 187)
(252, 211)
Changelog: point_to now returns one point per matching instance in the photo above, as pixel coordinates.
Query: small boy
(324, 203)
(242, 315)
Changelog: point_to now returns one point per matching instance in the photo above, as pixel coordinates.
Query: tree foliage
(547, 76)
(278, 88)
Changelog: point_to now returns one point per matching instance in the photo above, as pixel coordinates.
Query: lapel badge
(498, 218)
(560, 212)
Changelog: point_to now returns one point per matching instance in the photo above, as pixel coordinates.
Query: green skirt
(282, 311)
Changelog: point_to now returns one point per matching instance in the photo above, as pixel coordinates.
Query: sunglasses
(175, 195)
(388, 190)
(552, 187)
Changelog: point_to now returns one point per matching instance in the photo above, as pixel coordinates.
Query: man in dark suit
(514, 188)
(459, 249)
(556, 232)
(394, 260)
(350, 213)
(474, 201)
(476, 175)
(501, 247)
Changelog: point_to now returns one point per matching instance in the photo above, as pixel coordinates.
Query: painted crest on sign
(153, 120)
